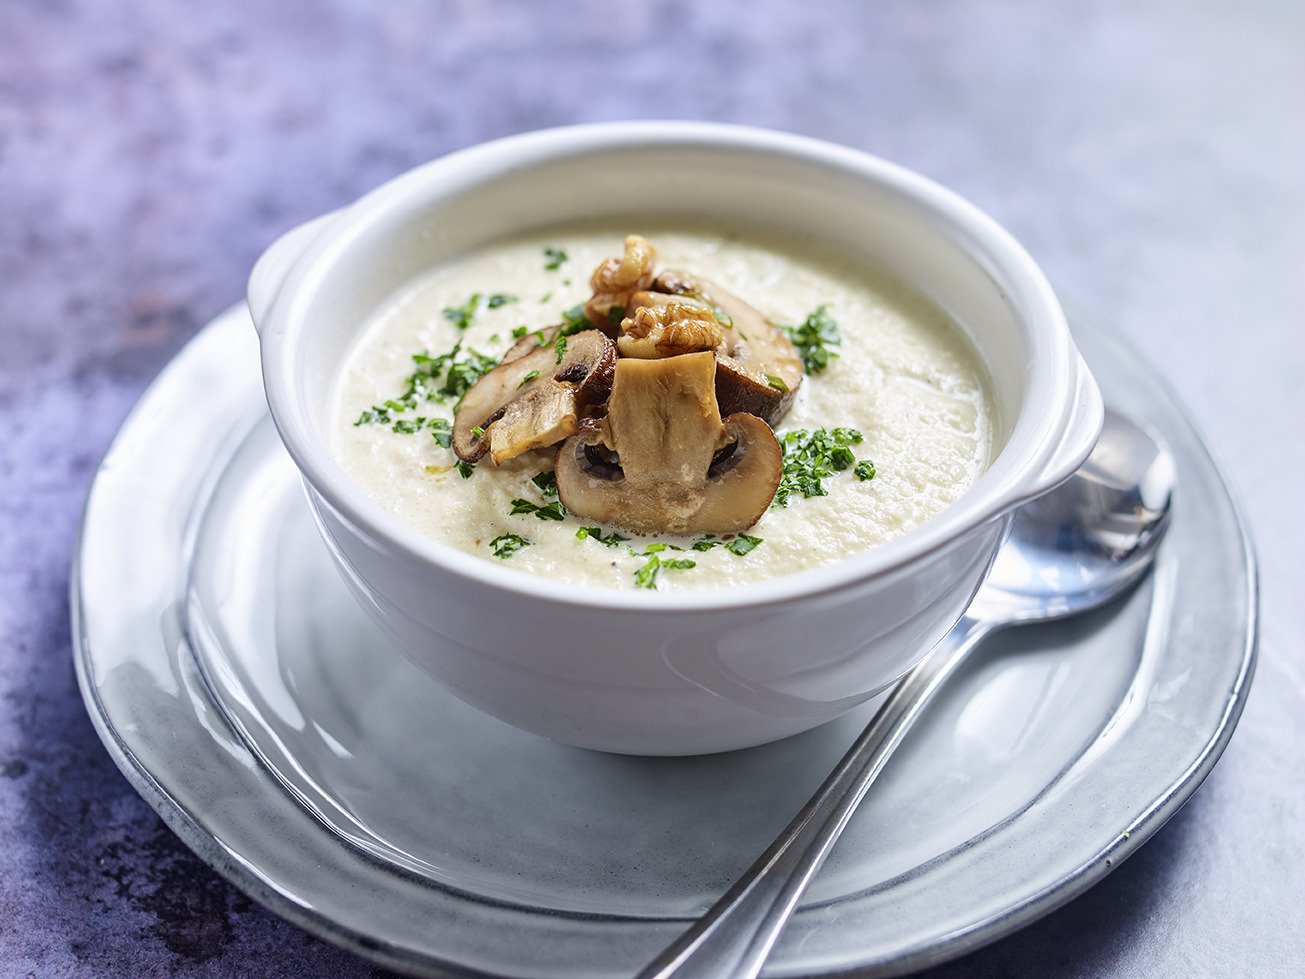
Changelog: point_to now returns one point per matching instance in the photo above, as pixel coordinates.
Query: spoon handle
(734, 937)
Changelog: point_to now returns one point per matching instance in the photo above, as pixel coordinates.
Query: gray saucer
(257, 709)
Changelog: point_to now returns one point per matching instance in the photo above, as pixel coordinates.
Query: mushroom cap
(663, 460)
(758, 369)
(533, 400)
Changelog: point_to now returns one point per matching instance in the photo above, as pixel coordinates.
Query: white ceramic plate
(254, 705)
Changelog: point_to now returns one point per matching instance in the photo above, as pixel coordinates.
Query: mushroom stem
(665, 428)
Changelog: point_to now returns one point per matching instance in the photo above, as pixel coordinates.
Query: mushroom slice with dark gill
(663, 460)
(758, 369)
(535, 400)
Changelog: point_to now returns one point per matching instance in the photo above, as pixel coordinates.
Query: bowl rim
(1056, 373)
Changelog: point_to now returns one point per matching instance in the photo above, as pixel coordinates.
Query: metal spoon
(1069, 551)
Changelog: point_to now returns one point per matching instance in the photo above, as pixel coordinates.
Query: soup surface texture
(904, 377)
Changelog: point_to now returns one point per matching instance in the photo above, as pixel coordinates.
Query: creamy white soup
(903, 400)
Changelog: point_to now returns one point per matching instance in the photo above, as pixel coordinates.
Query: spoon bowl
(1080, 545)
(1071, 550)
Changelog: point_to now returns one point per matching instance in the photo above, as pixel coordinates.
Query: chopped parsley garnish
(554, 257)
(462, 374)
(810, 457)
(409, 426)
(574, 320)
(461, 316)
(505, 545)
(465, 469)
(442, 430)
(560, 347)
(546, 483)
(477, 432)
(776, 382)
(741, 544)
(530, 376)
(441, 379)
(814, 337)
(549, 511)
(596, 534)
(519, 331)
(646, 576)
(865, 469)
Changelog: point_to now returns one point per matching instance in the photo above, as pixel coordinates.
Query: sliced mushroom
(663, 460)
(531, 342)
(535, 400)
(758, 369)
(616, 280)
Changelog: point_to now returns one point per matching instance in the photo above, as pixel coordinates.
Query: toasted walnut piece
(663, 460)
(534, 400)
(758, 369)
(617, 279)
(666, 329)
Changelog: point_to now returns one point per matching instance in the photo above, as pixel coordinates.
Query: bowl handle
(1087, 414)
(273, 266)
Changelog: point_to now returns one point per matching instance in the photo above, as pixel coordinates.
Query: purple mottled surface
(1152, 157)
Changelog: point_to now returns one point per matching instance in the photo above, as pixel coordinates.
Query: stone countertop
(1152, 157)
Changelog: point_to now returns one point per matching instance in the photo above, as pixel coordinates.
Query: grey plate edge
(1072, 884)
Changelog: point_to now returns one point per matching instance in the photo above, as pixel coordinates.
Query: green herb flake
(465, 469)
(409, 426)
(550, 511)
(739, 545)
(443, 378)
(505, 545)
(554, 257)
(442, 431)
(813, 338)
(615, 314)
(742, 544)
(519, 331)
(596, 534)
(646, 576)
(865, 469)
(776, 382)
(477, 432)
(812, 456)
(373, 416)
(499, 299)
(574, 320)
(546, 483)
(560, 347)
(461, 316)
(528, 378)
